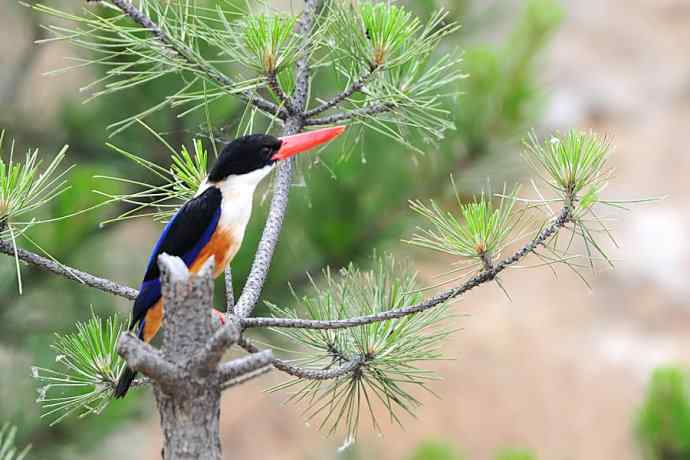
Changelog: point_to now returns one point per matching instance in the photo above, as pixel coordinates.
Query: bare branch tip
(174, 267)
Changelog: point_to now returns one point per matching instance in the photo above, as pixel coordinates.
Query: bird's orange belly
(223, 247)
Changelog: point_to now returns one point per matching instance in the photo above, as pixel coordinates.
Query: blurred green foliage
(663, 425)
(515, 454)
(435, 450)
(441, 450)
(501, 95)
(342, 207)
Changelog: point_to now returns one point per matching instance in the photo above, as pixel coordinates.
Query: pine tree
(362, 337)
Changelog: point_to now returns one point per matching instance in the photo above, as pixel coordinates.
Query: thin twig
(356, 86)
(188, 55)
(344, 116)
(275, 87)
(563, 218)
(319, 374)
(70, 273)
(303, 373)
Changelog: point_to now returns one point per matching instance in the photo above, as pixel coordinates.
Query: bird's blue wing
(184, 236)
(149, 293)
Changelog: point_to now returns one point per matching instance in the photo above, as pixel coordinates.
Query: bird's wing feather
(184, 236)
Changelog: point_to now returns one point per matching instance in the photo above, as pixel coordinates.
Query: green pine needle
(189, 170)
(88, 367)
(133, 56)
(384, 34)
(8, 451)
(478, 232)
(179, 183)
(266, 43)
(574, 165)
(26, 186)
(393, 351)
(409, 76)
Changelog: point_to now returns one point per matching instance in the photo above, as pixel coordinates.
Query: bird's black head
(244, 155)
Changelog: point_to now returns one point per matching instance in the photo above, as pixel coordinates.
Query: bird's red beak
(292, 145)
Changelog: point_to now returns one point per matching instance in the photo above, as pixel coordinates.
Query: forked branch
(356, 86)
(362, 112)
(563, 218)
(143, 358)
(277, 90)
(304, 373)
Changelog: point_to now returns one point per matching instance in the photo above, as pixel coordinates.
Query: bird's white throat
(238, 196)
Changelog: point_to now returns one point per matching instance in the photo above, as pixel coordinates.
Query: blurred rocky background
(557, 372)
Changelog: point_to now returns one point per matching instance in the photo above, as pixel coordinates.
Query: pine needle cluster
(179, 182)
(26, 186)
(87, 368)
(394, 353)
(575, 169)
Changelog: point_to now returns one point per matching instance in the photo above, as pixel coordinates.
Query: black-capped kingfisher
(213, 222)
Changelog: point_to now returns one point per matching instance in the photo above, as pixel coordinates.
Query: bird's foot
(219, 315)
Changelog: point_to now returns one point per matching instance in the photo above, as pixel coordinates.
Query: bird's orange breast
(222, 246)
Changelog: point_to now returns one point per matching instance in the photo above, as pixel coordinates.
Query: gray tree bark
(190, 410)
(186, 375)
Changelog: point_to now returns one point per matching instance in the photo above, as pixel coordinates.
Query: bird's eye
(265, 151)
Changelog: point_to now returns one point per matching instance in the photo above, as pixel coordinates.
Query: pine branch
(70, 273)
(320, 374)
(187, 54)
(304, 29)
(563, 219)
(353, 114)
(275, 87)
(246, 377)
(211, 353)
(303, 373)
(229, 292)
(356, 86)
(142, 357)
(246, 365)
(283, 180)
(269, 238)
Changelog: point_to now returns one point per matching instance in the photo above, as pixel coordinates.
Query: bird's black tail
(124, 382)
(127, 376)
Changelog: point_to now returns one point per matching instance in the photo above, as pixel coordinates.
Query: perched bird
(213, 222)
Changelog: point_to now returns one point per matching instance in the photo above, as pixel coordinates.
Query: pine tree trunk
(190, 410)
(189, 422)
(187, 373)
